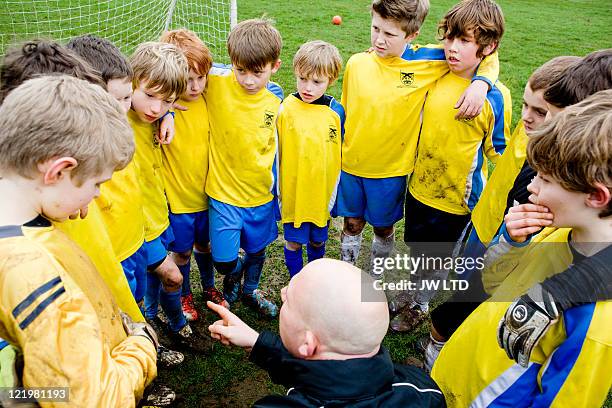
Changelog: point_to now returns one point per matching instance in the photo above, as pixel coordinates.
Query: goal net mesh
(126, 23)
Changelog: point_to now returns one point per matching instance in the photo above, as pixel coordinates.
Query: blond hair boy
(569, 365)
(310, 132)
(55, 152)
(185, 170)
(241, 184)
(382, 121)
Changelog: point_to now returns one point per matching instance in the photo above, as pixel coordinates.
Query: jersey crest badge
(407, 78)
(268, 120)
(333, 134)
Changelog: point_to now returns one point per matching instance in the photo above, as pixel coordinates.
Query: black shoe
(187, 339)
(158, 395)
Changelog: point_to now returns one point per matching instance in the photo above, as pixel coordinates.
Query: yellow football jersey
(569, 366)
(243, 142)
(120, 204)
(186, 159)
(310, 140)
(450, 171)
(148, 158)
(488, 214)
(58, 311)
(91, 235)
(383, 98)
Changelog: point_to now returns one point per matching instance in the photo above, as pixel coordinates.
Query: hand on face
(526, 219)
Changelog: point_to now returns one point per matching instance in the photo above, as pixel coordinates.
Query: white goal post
(124, 22)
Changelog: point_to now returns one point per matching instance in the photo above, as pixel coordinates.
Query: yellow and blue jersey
(450, 171)
(148, 158)
(120, 204)
(383, 98)
(91, 235)
(310, 141)
(185, 160)
(569, 366)
(243, 140)
(488, 215)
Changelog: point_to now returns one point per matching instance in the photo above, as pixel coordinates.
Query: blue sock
(152, 296)
(185, 270)
(314, 252)
(205, 265)
(171, 304)
(293, 260)
(253, 265)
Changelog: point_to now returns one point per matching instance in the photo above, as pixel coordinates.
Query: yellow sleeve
(50, 319)
(488, 70)
(345, 81)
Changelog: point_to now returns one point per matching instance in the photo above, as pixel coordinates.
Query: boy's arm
(471, 101)
(498, 133)
(58, 330)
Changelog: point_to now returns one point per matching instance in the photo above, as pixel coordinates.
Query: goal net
(126, 23)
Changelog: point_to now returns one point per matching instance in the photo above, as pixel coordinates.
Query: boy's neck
(19, 204)
(595, 236)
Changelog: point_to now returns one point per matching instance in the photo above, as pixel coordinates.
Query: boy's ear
(54, 169)
(276, 66)
(412, 37)
(309, 346)
(489, 49)
(600, 198)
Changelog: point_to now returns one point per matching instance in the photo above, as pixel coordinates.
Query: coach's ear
(54, 169)
(600, 198)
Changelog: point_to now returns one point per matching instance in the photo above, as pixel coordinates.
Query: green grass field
(535, 32)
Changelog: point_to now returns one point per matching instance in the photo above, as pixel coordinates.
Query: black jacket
(357, 383)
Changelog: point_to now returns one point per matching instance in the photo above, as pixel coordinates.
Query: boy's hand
(230, 329)
(177, 106)
(166, 130)
(471, 101)
(526, 219)
(80, 213)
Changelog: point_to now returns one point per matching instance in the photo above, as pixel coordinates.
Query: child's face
(566, 206)
(148, 105)
(311, 88)
(121, 90)
(254, 81)
(195, 86)
(64, 198)
(534, 109)
(387, 37)
(461, 53)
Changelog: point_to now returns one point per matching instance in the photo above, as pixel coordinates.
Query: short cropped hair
(581, 79)
(197, 53)
(62, 116)
(103, 55)
(575, 146)
(547, 73)
(40, 57)
(318, 58)
(163, 67)
(253, 44)
(483, 17)
(410, 14)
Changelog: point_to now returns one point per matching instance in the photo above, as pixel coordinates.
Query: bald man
(329, 351)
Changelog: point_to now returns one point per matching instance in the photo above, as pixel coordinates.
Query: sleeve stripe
(3, 344)
(41, 307)
(496, 100)
(423, 53)
(34, 295)
(577, 321)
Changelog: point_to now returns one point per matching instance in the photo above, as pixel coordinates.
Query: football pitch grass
(535, 32)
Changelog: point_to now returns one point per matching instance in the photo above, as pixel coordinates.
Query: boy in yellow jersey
(56, 149)
(382, 121)
(310, 131)
(160, 77)
(185, 166)
(450, 169)
(242, 109)
(506, 187)
(569, 365)
(44, 57)
(120, 199)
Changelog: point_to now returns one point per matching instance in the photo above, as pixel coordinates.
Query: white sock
(349, 247)
(381, 248)
(432, 352)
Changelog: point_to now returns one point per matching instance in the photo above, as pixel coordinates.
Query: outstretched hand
(230, 329)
